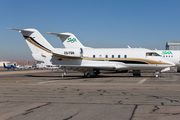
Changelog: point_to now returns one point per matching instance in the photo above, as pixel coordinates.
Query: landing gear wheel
(157, 76)
(88, 75)
(94, 74)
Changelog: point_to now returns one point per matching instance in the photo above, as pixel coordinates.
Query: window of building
(119, 56)
(94, 56)
(112, 56)
(106, 56)
(125, 56)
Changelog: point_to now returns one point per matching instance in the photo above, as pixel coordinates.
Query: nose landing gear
(157, 74)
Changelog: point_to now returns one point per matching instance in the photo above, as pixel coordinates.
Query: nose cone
(167, 62)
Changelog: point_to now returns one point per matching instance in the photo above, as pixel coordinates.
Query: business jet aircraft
(91, 60)
(171, 55)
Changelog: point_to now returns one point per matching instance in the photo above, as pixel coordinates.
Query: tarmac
(46, 95)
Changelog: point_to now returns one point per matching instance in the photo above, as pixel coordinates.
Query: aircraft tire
(157, 76)
(88, 75)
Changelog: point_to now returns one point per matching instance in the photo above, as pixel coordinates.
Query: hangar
(1, 63)
(173, 45)
(7, 63)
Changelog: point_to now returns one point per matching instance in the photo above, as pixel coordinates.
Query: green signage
(72, 40)
(166, 53)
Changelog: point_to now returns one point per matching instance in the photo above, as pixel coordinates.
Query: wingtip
(48, 33)
(9, 28)
(21, 30)
(13, 29)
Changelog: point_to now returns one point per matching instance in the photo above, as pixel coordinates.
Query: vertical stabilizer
(4, 65)
(69, 40)
(40, 47)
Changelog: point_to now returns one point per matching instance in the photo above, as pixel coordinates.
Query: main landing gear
(136, 73)
(92, 73)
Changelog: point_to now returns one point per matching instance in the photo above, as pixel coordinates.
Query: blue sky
(96, 23)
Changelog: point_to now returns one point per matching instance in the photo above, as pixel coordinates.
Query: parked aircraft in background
(171, 55)
(52, 67)
(91, 60)
(20, 67)
(9, 66)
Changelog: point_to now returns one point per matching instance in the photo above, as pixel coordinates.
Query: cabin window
(94, 56)
(125, 56)
(106, 56)
(152, 54)
(100, 56)
(119, 56)
(112, 56)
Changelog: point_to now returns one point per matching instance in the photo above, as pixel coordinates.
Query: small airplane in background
(52, 67)
(20, 67)
(91, 60)
(9, 66)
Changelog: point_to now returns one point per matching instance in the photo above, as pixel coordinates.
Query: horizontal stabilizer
(60, 34)
(31, 31)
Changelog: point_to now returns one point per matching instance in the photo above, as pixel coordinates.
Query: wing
(87, 68)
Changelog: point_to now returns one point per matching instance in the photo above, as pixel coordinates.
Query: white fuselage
(113, 58)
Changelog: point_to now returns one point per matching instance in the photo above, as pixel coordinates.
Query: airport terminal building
(173, 45)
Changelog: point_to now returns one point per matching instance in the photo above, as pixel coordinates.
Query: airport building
(1, 63)
(7, 63)
(173, 45)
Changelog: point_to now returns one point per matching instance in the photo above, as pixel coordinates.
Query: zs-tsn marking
(68, 52)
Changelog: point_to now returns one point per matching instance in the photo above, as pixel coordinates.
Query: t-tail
(69, 40)
(40, 47)
(4, 65)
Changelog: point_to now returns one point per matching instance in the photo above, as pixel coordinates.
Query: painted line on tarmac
(46, 82)
(141, 81)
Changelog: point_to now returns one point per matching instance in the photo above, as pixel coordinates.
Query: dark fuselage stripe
(34, 42)
(129, 61)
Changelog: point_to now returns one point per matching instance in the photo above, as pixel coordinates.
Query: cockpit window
(152, 54)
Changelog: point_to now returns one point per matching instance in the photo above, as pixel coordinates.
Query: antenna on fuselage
(128, 46)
